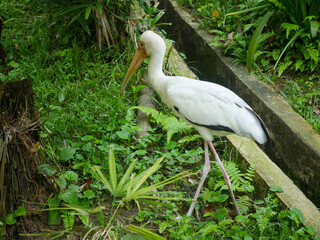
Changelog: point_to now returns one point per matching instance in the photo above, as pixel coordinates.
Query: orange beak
(137, 60)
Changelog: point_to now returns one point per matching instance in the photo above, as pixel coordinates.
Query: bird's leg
(225, 175)
(205, 172)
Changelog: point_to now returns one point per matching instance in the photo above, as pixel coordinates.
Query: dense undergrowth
(106, 176)
(286, 51)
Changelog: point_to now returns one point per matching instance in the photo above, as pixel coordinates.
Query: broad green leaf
(71, 176)
(220, 214)
(240, 218)
(89, 194)
(298, 213)
(54, 202)
(123, 134)
(274, 188)
(259, 202)
(140, 152)
(69, 197)
(11, 219)
(314, 27)
(54, 218)
(13, 64)
(87, 138)
(248, 237)
(248, 187)
(66, 153)
(61, 181)
(223, 197)
(21, 211)
(46, 169)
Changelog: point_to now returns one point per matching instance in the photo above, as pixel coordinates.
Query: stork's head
(150, 44)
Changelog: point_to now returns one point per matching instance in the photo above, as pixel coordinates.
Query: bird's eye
(141, 44)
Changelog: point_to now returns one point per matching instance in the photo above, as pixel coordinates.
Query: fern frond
(247, 27)
(174, 125)
(210, 228)
(249, 175)
(289, 27)
(240, 182)
(283, 66)
(244, 204)
(314, 54)
(190, 138)
(258, 53)
(68, 220)
(265, 36)
(148, 110)
(205, 195)
(170, 124)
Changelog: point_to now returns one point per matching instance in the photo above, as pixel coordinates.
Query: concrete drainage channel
(296, 148)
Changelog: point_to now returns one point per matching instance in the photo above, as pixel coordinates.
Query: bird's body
(210, 108)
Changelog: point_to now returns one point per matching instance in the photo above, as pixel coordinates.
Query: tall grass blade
(129, 187)
(125, 177)
(88, 11)
(146, 233)
(101, 176)
(255, 40)
(145, 176)
(245, 11)
(160, 184)
(288, 44)
(112, 169)
(138, 178)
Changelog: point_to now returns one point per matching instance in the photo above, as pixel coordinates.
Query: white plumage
(210, 108)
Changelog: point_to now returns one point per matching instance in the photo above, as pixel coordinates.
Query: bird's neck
(155, 72)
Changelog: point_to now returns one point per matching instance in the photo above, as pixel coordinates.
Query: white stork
(210, 108)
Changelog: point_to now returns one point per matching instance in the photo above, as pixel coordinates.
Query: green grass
(77, 90)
